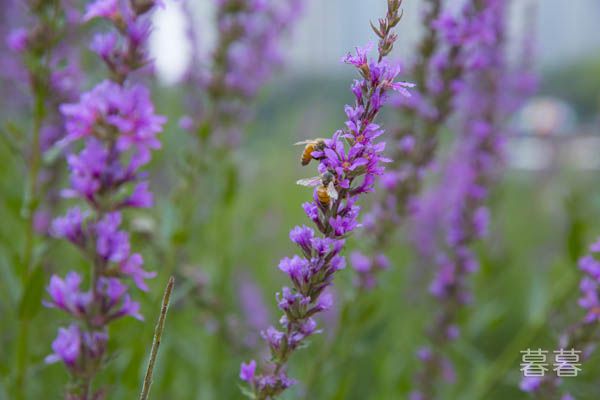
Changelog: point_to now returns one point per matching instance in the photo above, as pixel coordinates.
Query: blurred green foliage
(525, 290)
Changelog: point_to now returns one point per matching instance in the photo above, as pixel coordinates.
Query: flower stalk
(113, 128)
(473, 168)
(37, 50)
(349, 162)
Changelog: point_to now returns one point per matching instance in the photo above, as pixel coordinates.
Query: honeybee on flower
(325, 183)
(310, 146)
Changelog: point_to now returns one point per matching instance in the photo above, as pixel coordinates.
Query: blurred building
(568, 30)
(564, 30)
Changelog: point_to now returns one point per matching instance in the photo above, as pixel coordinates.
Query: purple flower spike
(112, 130)
(349, 162)
(473, 167)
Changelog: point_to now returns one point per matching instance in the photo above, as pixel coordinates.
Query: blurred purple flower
(108, 9)
(115, 127)
(17, 40)
(111, 243)
(110, 108)
(247, 371)
(132, 267)
(70, 226)
(66, 346)
(530, 384)
(248, 51)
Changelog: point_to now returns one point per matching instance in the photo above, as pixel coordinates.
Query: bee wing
(331, 191)
(304, 142)
(314, 181)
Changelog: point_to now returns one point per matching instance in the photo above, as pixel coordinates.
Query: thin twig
(158, 331)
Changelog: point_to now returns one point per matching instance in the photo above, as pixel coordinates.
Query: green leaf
(576, 227)
(51, 155)
(31, 302)
(575, 239)
(247, 392)
(231, 185)
(8, 280)
(204, 131)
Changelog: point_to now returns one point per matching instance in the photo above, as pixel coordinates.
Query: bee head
(319, 144)
(327, 177)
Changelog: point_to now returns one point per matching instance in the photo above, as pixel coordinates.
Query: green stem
(158, 332)
(87, 388)
(22, 359)
(30, 201)
(29, 206)
(222, 279)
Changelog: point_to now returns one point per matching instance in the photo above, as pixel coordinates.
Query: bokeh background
(545, 210)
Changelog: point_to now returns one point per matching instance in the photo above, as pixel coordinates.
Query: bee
(309, 147)
(325, 187)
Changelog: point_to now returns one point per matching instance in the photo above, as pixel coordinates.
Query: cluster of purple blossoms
(348, 165)
(111, 131)
(582, 335)
(123, 50)
(248, 49)
(438, 75)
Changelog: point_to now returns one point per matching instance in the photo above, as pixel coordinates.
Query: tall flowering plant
(349, 162)
(221, 87)
(472, 169)
(113, 130)
(40, 59)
